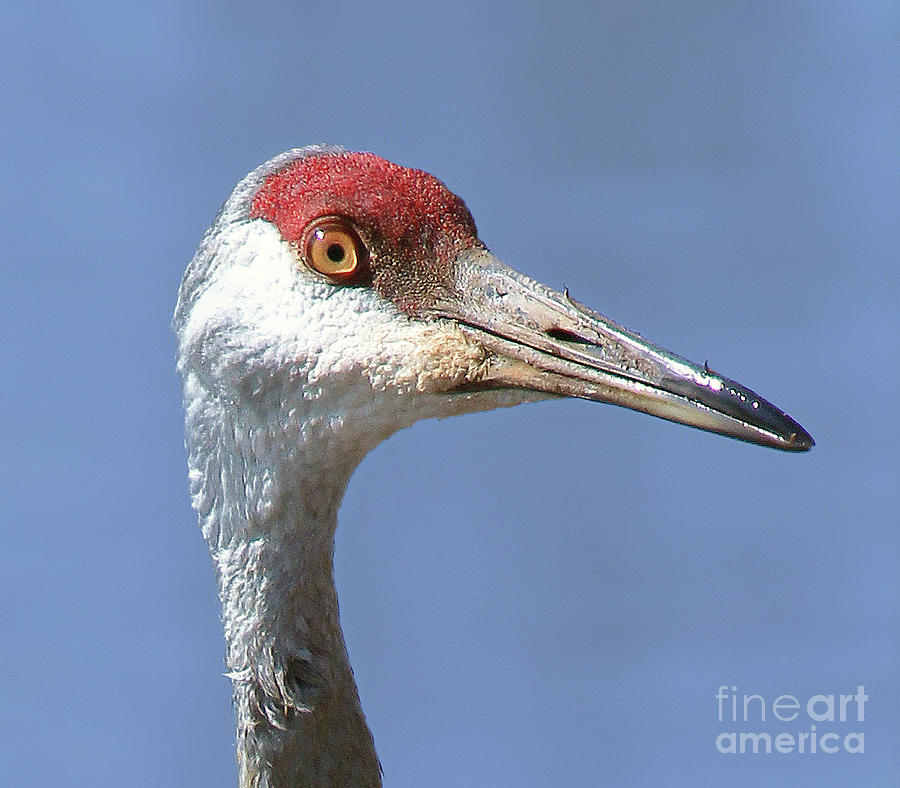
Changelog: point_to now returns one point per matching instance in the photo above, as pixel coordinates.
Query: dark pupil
(335, 253)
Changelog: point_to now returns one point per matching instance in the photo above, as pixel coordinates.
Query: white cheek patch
(259, 314)
(441, 358)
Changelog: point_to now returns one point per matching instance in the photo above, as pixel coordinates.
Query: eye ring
(332, 247)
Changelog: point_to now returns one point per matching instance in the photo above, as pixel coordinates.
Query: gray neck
(267, 492)
(299, 720)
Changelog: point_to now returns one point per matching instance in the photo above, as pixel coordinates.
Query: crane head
(341, 278)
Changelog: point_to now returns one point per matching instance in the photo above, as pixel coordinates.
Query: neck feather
(268, 505)
(299, 720)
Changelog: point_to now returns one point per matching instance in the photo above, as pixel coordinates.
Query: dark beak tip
(801, 440)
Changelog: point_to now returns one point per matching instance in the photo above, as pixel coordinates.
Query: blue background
(548, 595)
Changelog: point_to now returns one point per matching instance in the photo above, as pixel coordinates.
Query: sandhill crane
(335, 299)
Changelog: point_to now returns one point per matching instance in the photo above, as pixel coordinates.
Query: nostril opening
(565, 335)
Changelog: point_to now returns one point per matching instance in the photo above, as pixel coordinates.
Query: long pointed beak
(542, 340)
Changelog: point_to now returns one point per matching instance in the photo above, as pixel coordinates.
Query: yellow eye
(334, 249)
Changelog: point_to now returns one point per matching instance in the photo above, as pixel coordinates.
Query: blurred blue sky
(549, 595)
